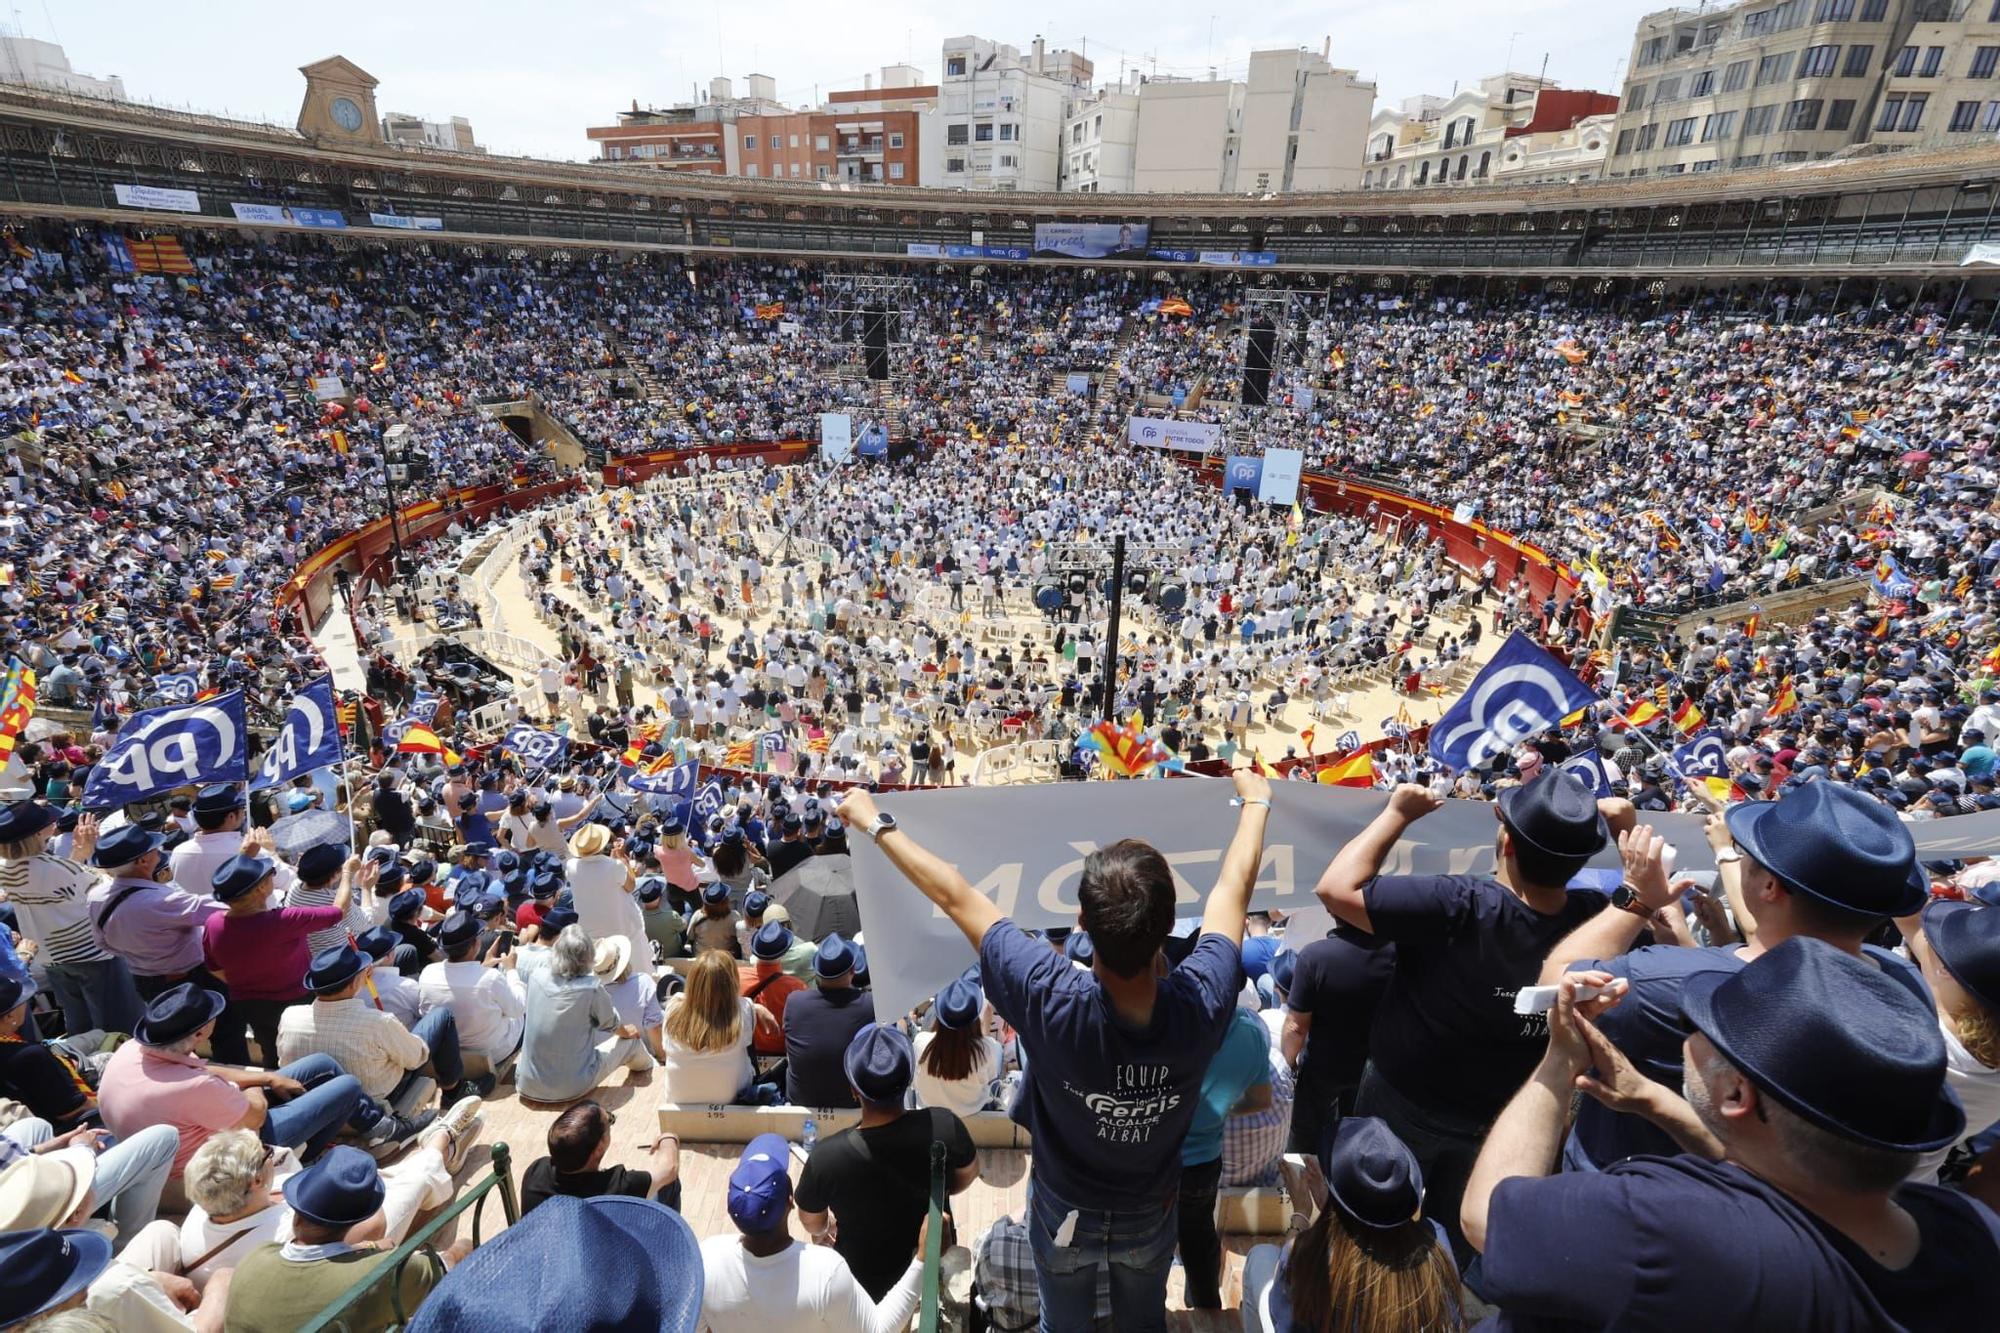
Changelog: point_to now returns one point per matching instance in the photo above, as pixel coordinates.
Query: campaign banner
(1076, 383)
(538, 749)
(1243, 472)
(177, 687)
(1521, 693)
(678, 780)
(924, 250)
(1175, 256)
(284, 215)
(1279, 482)
(309, 740)
(160, 749)
(157, 196)
(1238, 258)
(405, 222)
(873, 441)
(1091, 240)
(1196, 437)
(913, 950)
(326, 388)
(836, 437)
(933, 250)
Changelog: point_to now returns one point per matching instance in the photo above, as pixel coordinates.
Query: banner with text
(1091, 240)
(836, 436)
(283, 215)
(1196, 437)
(1243, 472)
(1279, 484)
(157, 196)
(405, 222)
(1024, 848)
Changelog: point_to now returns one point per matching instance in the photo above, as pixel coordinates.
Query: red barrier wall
(638, 467)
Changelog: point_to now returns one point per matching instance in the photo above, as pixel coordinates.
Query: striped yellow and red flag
(1687, 719)
(1641, 714)
(1750, 625)
(17, 706)
(1357, 770)
(1787, 700)
(740, 755)
(420, 739)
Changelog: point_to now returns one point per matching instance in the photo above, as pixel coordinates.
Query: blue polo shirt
(1108, 1104)
(1679, 1243)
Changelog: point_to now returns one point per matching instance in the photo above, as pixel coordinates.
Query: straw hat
(614, 955)
(590, 840)
(42, 1189)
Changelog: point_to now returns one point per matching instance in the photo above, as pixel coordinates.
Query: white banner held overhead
(157, 196)
(1278, 484)
(836, 436)
(1024, 848)
(1196, 437)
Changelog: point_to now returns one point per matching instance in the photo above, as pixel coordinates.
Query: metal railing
(501, 1178)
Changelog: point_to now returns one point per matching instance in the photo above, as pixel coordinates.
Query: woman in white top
(1958, 947)
(957, 1063)
(603, 889)
(707, 1035)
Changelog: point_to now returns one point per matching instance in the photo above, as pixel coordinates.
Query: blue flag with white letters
(178, 687)
(676, 781)
(708, 802)
(1523, 692)
(538, 748)
(310, 738)
(163, 748)
(1588, 768)
(1705, 755)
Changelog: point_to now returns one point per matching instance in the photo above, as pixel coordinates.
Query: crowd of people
(239, 1071)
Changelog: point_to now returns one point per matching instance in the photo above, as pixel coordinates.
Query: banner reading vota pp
(1196, 437)
(836, 436)
(157, 196)
(1090, 240)
(284, 215)
(405, 222)
(1279, 482)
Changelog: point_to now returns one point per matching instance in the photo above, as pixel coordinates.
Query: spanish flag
(420, 739)
(1750, 625)
(379, 364)
(1357, 770)
(1787, 700)
(771, 310)
(1687, 718)
(1175, 305)
(1722, 790)
(640, 739)
(1645, 712)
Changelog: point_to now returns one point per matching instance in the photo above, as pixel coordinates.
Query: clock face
(346, 114)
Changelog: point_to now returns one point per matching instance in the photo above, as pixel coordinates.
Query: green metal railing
(927, 1315)
(501, 1178)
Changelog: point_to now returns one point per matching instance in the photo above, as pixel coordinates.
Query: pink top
(677, 864)
(264, 956)
(144, 1086)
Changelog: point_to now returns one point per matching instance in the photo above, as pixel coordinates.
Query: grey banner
(1024, 847)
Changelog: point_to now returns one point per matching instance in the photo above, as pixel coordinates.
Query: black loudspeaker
(875, 341)
(1257, 359)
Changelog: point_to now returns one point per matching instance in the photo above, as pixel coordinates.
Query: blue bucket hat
(716, 892)
(333, 968)
(958, 1006)
(406, 904)
(238, 875)
(1554, 817)
(771, 942)
(175, 1012)
(756, 902)
(834, 958)
(45, 1268)
(378, 942)
(1966, 939)
(123, 846)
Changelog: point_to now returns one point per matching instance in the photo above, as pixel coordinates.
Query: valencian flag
(740, 755)
(1357, 770)
(771, 310)
(1787, 700)
(420, 739)
(17, 706)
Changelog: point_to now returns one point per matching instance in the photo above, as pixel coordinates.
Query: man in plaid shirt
(1004, 1273)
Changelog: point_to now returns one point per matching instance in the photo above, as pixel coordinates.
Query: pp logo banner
(1523, 692)
(310, 738)
(163, 748)
(538, 748)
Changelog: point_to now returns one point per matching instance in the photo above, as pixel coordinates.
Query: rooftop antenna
(1510, 52)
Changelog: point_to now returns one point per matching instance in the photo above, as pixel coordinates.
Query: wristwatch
(1726, 855)
(1625, 900)
(884, 822)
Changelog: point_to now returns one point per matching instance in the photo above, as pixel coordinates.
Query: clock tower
(339, 106)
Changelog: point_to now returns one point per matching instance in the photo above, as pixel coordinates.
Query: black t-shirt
(1445, 1034)
(784, 856)
(1338, 980)
(877, 1182)
(818, 1026)
(33, 1075)
(541, 1181)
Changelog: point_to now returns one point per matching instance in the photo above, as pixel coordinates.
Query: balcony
(859, 148)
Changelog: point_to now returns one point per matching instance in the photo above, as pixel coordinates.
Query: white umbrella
(818, 892)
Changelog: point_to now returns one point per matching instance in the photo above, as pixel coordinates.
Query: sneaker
(397, 1132)
(460, 1126)
(474, 1089)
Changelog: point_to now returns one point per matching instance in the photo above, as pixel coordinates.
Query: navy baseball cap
(760, 1189)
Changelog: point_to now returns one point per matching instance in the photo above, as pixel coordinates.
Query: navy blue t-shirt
(819, 1025)
(1445, 1034)
(1680, 1243)
(1338, 980)
(1646, 1026)
(1106, 1103)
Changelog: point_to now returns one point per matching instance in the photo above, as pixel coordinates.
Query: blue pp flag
(1705, 755)
(708, 801)
(539, 749)
(177, 687)
(1590, 769)
(163, 748)
(424, 706)
(1243, 472)
(1523, 692)
(310, 738)
(1349, 742)
(678, 781)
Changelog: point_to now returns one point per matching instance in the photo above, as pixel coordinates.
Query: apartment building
(1304, 123)
(1941, 87)
(1101, 141)
(1755, 84)
(697, 136)
(1001, 115)
(453, 136)
(1515, 128)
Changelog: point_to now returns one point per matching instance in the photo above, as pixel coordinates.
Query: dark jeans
(1316, 1113)
(1201, 1247)
(1444, 1144)
(311, 1120)
(439, 1029)
(226, 1045)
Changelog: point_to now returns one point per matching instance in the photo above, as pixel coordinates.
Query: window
(1757, 22)
(1983, 61)
(1774, 69)
(895, 171)
(1906, 62)
(795, 168)
(1990, 122)
(982, 133)
(1803, 114)
(1679, 132)
(749, 143)
(1006, 159)
(1485, 161)
(954, 164)
(1858, 58)
(1722, 125)
(1892, 111)
(1710, 165)
(1752, 160)
(895, 141)
(1758, 120)
(1624, 144)
(1668, 91)
(1076, 132)
(1646, 133)
(1873, 11)
(794, 141)
(1704, 84)
(1635, 97)
(822, 143)
(1933, 61)
(1655, 50)
(1913, 112)
(777, 142)
(1423, 171)
(954, 67)
(1964, 116)
(1006, 134)
(1097, 126)
(954, 135)
(819, 173)
(750, 169)
(1840, 113)
(1817, 62)
(1834, 11)
(1735, 76)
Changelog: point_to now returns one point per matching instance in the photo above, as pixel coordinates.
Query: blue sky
(530, 77)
